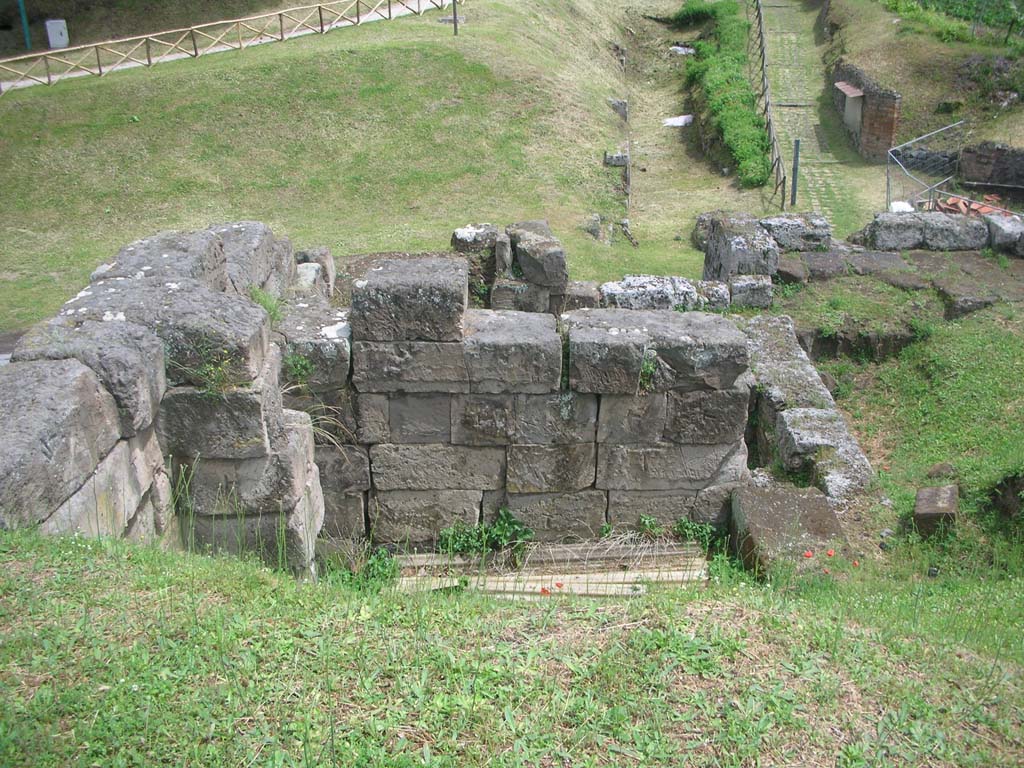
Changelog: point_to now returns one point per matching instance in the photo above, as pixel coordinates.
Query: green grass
(120, 655)
(384, 137)
(954, 397)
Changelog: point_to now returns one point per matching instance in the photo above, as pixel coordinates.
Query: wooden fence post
(359, 18)
(149, 56)
(320, 11)
(195, 48)
(46, 64)
(280, 20)
(389, 10)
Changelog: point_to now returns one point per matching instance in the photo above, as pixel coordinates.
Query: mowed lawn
(384, 137)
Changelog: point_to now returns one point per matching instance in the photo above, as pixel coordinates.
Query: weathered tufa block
(685, 351)
(799, 231)
(344, 478)
(436, 467)
(562, 417)
(777, 523)
(420, 419)
(114, 493)
(509, 293)
(409, 366)
(263, 485)
(930, 230)
(474, 237)
(579, 294)
(667, 466)
(539, 254)
(1006, 234)
(935, 509)
(411, 300)
(818, 440)
(344, 515)
(321, 256)
(709, 417)
(502, 254)
(550, 468)
(556, 517)
(751, 291)
(285, 539)
(413, 519)
(249, 252)
(170, 256)
(666, 508)
(202, 329)
(512, 352)
(632, 418)
(235, 423)
(737, 244)
(482, 419)
(127, 358)
(317, 344)
(59, 423)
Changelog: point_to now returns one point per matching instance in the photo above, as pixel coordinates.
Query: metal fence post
(320, 10)
(455, 16)
(195, 48)
(796, 172)
(149, 55)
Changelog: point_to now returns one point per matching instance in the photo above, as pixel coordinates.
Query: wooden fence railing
(778, 168)
(49, 67)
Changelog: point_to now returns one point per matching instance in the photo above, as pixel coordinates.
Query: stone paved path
(833, 179)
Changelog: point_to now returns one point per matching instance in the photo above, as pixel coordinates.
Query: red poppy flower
(856, 563)
(808, 553)
(831, 553)
(559, 584)
(545, 591)
(825, 571)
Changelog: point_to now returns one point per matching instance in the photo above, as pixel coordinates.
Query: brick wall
(880, 115)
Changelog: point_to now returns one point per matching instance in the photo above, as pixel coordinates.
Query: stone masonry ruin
(203, 390)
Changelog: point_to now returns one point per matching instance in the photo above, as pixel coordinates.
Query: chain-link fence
(923, 175)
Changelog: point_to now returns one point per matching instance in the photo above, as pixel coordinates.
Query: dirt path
(833, 178)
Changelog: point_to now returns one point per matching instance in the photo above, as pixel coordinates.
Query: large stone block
(561, 517)
(409, 366)
(321, 256)
(799, 231)
(333, 413)
(649, 292)
(579, 294)
(285, 539)
(207, 335)
(249, 254)
(632, 418)
(710, 506)
(235, 423)
(709, 417)
(283, 273)
(58, 423)
(561, 417)
(751, 291)
(413, 519)
(411, 300)
(171, 256)
(474, 237)
(935, 509)
(818, 440)
(667, 466)
(344, 515)
(896, 232)
(512, 352)
(738, 245)
(113, 494)
(482, 419)
(539, 255)
(317, 344)
(550, 468)
(775, 523)
(508, 293)
(1006, 234)
(262, 485)
(373, 418)
(436, 467)
(127, 358)
(953, 232)
(420, 419)
(614, 351)
(344, 469)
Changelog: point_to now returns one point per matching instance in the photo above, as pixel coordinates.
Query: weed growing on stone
(702, 534)
(271, 304)
(506, 534)
(298, 368)
(648, 368)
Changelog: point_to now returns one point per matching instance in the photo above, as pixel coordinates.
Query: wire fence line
(98, 59)
(778, 168)
(923, 174)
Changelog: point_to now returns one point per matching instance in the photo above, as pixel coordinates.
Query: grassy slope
(119, 655)
(907, 56)
(379, 138)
